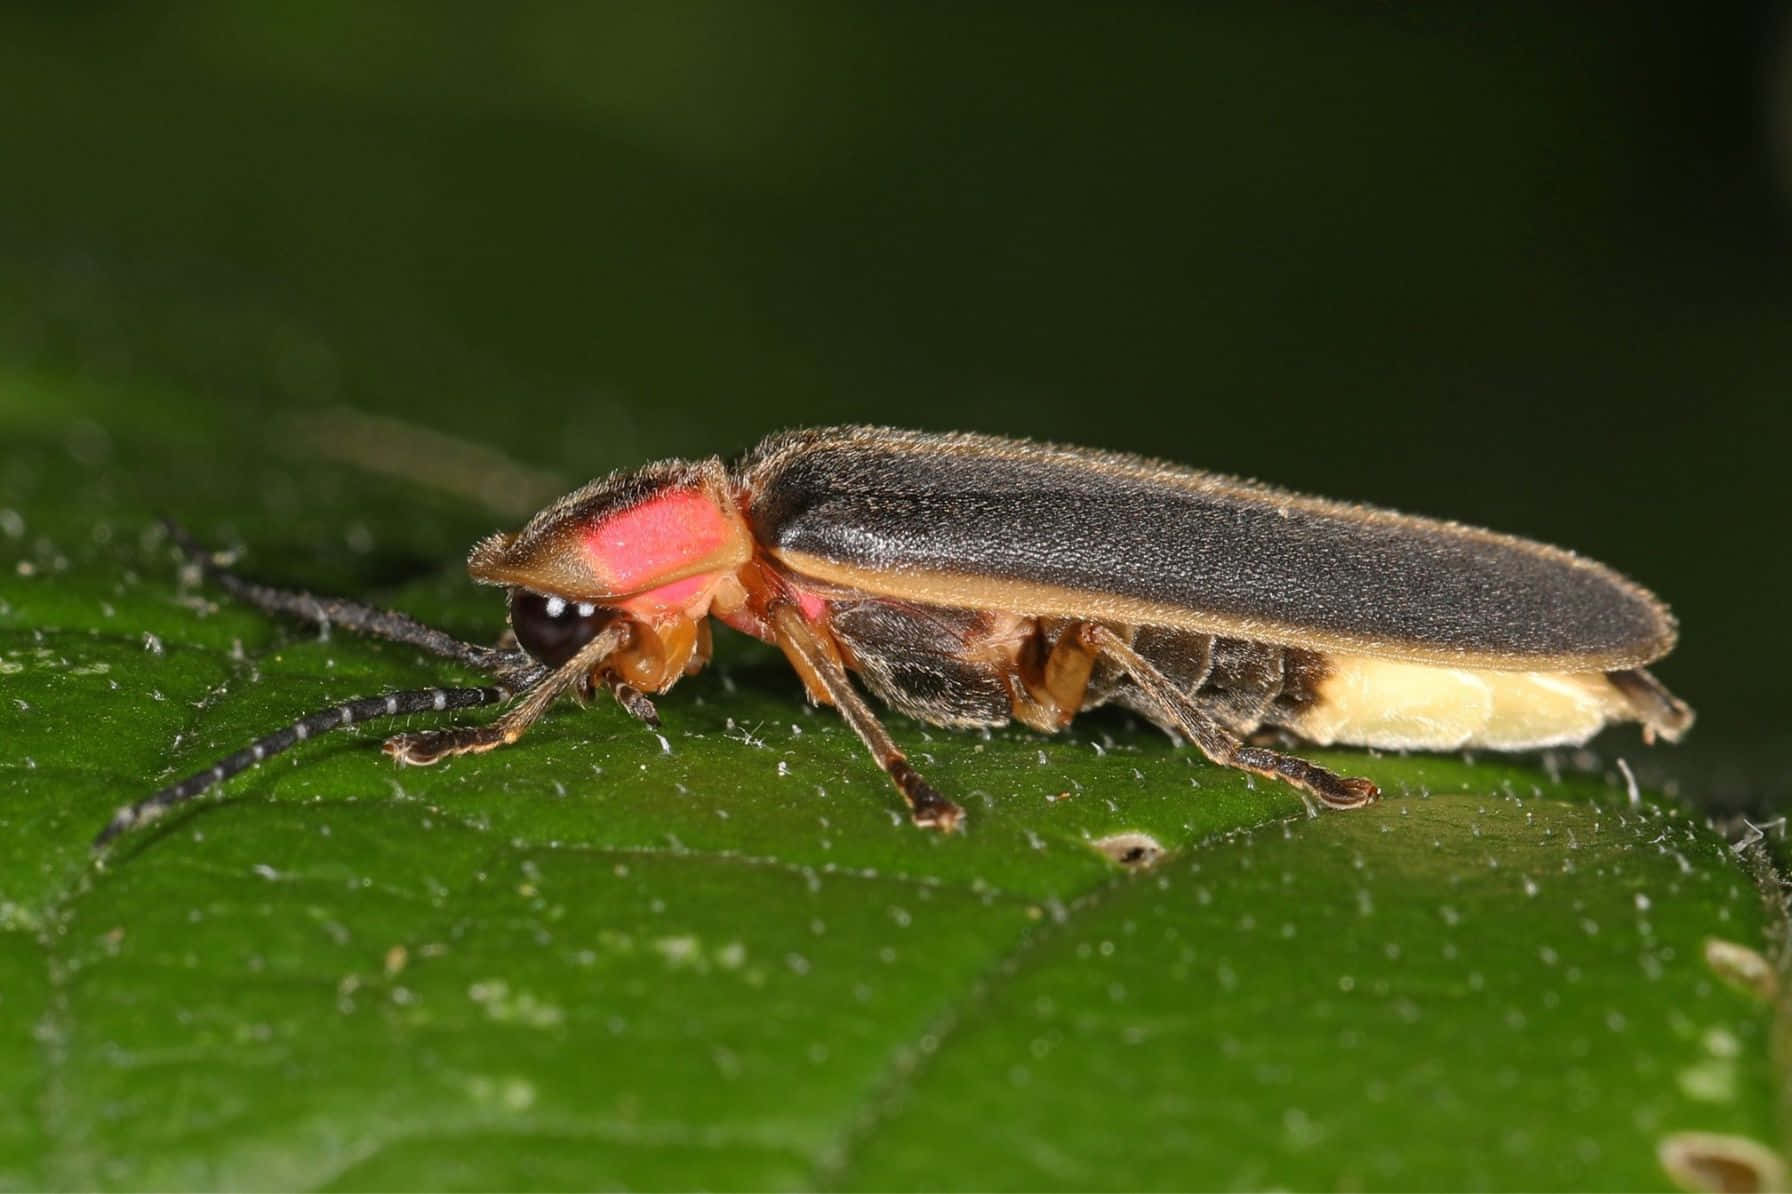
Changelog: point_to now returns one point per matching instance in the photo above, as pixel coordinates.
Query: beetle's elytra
(971, 580)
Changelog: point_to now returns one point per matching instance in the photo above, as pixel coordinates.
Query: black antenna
(370, 620)
(392, 704)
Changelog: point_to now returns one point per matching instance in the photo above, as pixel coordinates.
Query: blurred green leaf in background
(344, 288)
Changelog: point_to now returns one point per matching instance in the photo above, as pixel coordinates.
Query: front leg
(430, 746)
(634, 702)
(826, 678)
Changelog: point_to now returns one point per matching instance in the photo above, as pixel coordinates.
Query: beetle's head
(652, 545)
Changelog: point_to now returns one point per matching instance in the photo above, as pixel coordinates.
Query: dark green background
(1526, 267)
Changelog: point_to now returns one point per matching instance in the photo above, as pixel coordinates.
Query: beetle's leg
(1053, 680)
(355, 616)
(820, 668)
(1215, 741)
(432, 746)
(634, 702)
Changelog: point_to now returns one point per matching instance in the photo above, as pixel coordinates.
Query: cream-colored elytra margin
(1364, 701)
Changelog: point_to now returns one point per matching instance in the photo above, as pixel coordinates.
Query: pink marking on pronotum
(637, 546)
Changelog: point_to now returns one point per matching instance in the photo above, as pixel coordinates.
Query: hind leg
(1178, 709)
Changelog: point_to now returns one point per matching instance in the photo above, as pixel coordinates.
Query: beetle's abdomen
(1380, 702)
(1241, 684)
(1364, 701)
(974, 668)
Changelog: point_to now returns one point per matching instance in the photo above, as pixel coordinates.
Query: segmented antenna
(392, 704)
(350, 615)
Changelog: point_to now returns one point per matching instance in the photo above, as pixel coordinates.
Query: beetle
(971, 581)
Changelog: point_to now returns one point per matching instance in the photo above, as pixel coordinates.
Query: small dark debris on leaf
(1137, 851)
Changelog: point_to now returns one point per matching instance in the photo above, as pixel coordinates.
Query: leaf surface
(595, 959)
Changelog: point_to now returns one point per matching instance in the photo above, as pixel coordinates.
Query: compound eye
(553, 629)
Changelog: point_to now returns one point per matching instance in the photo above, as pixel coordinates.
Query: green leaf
(726, 961)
